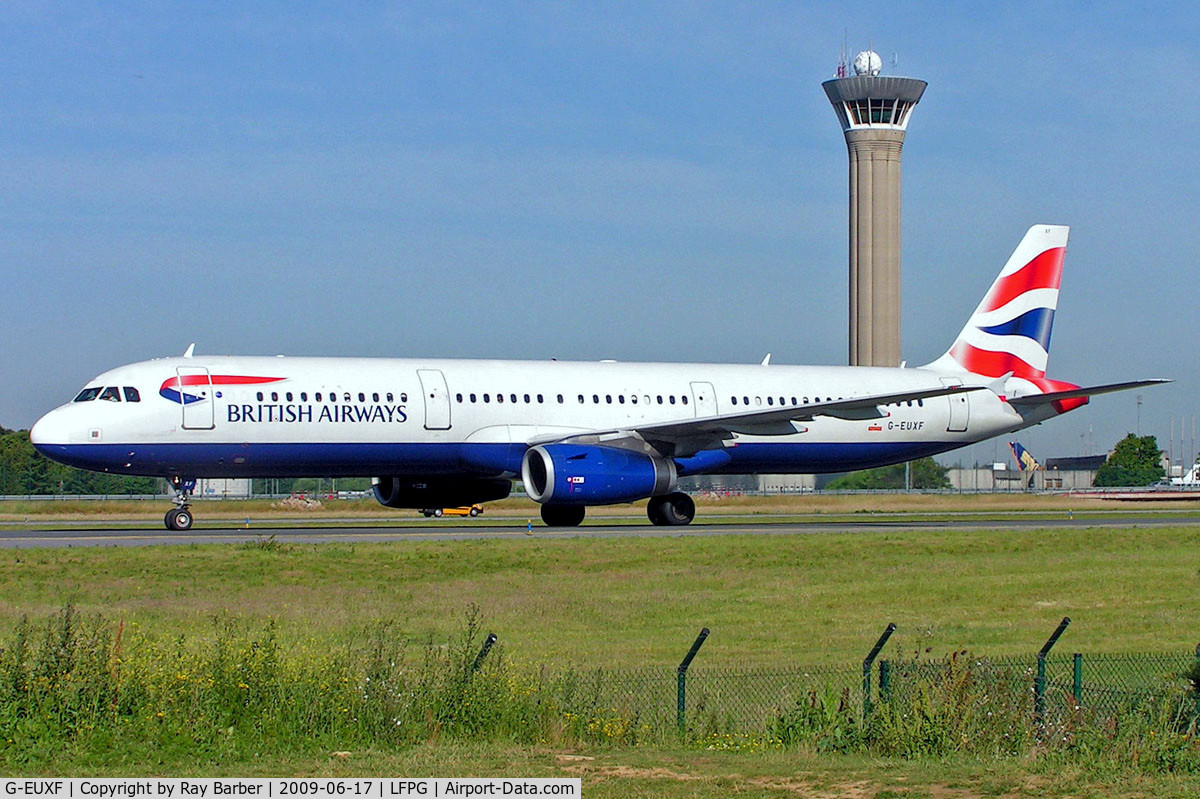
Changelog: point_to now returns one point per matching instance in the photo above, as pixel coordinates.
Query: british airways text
(336, 414)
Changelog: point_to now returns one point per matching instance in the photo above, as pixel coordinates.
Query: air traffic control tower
(874, 111)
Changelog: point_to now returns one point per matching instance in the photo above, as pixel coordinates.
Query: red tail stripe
(1043, 272)
(992, 364)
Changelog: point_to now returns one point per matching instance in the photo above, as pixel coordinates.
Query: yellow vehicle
(465, 510)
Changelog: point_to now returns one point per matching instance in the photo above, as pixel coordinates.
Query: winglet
(767, 360)
(191, 348)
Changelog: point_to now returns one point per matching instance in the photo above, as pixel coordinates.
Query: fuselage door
(437, 399)
(960, 407)
(705, 399)
(196, 398)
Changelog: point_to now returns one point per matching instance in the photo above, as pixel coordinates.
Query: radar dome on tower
(868, 62)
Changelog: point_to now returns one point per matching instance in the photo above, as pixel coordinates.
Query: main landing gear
(180, 517)
(563, 515)
(672, 509)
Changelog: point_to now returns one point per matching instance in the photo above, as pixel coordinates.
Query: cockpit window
(89, 394)
(112, 394)
(131, 394)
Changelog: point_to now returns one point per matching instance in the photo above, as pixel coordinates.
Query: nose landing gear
(180, 517)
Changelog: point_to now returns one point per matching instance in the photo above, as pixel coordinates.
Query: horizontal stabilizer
(1086, 391)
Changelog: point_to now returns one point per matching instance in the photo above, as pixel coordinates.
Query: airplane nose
(48, 431)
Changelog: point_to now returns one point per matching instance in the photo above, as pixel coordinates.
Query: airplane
(445, 433)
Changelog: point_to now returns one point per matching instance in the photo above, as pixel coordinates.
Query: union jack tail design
(1009, 333)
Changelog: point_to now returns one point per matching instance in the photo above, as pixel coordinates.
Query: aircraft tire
(672, 510)
(438, 513)
(474, 512)
(563, 515)
(179, 519)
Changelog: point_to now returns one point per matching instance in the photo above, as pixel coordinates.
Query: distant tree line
(1135, 461)
(24, 470)
(925, 473)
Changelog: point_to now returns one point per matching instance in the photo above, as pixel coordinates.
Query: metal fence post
(1196, 686)
(681, 680)
(866, 667)
(487, 647)
(1077, 683)
(1039, 684)
(885, 680)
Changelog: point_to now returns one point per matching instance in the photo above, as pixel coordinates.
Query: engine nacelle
(439, 492)
(569, 474)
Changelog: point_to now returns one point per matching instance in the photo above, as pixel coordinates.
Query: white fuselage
(262, 416)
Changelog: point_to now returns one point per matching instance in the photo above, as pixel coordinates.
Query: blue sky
(658, 181)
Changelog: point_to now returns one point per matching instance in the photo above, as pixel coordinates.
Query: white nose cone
(868, 62)
(48, 430)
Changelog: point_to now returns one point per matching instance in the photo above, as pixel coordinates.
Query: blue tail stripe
(1034, 324)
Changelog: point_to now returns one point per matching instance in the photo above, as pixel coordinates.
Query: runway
(16, 538)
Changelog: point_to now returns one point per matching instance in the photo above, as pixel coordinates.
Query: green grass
(768, 600)
(624, 602)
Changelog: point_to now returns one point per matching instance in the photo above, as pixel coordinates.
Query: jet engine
(439, 492)
(569, 474)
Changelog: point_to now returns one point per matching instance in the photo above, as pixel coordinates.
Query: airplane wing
(1085, 391)
(687, 436)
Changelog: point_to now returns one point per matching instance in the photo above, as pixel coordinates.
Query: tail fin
(1025, 460)
(1009, 333)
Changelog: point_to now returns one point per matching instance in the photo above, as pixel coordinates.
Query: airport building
(874, 111)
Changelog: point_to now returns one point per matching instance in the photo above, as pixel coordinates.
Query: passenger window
(672, 398)
(580, 399)
(111, 394)
(362, 397)
(660, 399)
(88, 394)
(346, 397)
(260, 396)
(318, 396)
(274, 396)
(633, 398)
(389, 397)
(289, 396)
(793, 400)
(758, 400)
(526, 399)
(472, 398)
(459, 398)
(770, 400)
(608, 398)
(403, 397)
(560, 399)
(499, 398)
(512, 397)
(745, 400)
(621, 398)
(540, 399)
(733, 400)
(595, 399)
(131, 394)
(685, 399)
(375, 397)
(487, 398)
(304, 396)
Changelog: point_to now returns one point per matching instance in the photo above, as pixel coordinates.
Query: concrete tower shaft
(874, 113)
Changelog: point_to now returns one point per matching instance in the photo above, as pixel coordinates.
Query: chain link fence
(1005, 692)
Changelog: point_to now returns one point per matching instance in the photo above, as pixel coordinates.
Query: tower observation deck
(874, 111)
